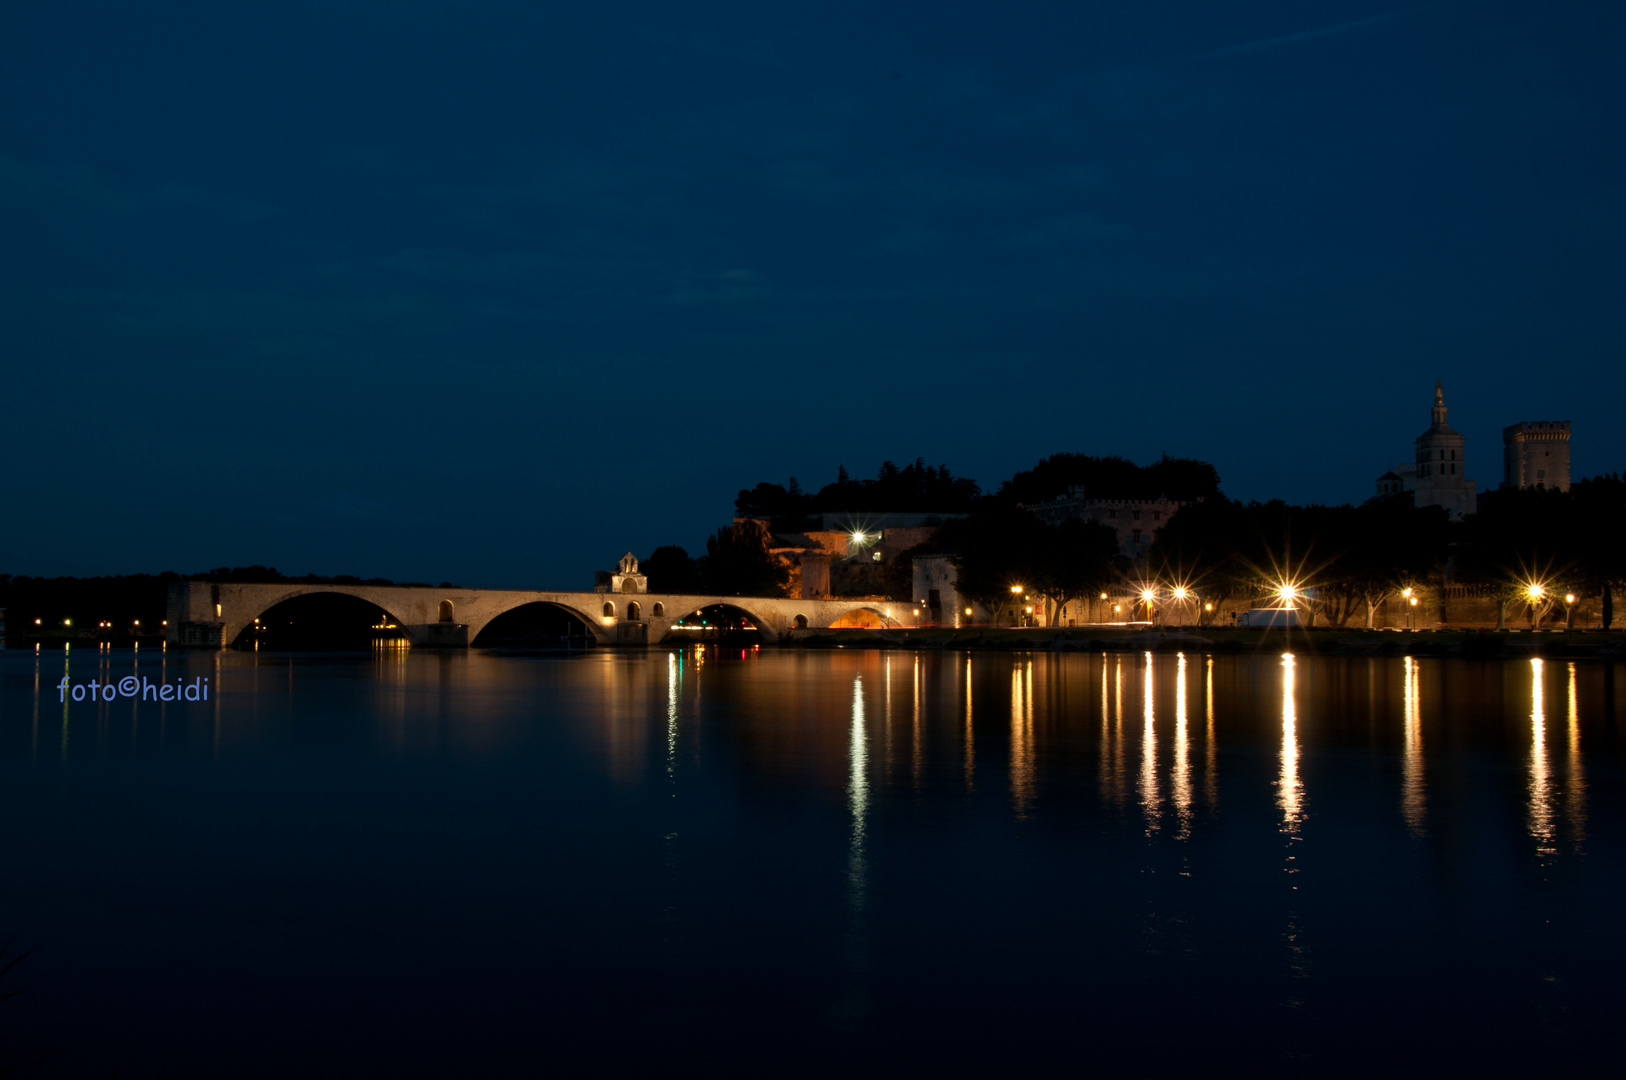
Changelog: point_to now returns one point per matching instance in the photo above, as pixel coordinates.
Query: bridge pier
(197, 634)
(437, 635)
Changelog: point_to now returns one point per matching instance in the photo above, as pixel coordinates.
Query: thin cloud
(1266, 44)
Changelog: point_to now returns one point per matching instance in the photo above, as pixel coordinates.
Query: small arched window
(801, 622)
(609, 611)
(633, 611)
(660, 609)
(445, 611)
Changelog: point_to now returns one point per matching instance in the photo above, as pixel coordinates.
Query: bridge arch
(526, 622)
(861, 616)
(719, 610)
(236, 629)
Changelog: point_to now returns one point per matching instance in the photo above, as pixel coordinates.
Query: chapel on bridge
(624, 579)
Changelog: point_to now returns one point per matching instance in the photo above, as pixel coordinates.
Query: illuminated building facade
(625, 578)
(1536, 454)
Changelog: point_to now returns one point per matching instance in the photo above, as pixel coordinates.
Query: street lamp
(1411, 616)
(1533, 596)
(1569, 611)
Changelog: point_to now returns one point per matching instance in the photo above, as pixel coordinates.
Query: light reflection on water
(1541, 793)
(1575, 786)
(258, 694)
(1412, 802)
(810, 832)
(1021, 767)
(1149, 796)
(857, 792)
(1289, 788)
(1181, 780)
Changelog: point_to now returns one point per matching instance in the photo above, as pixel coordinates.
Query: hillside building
(1136, 521)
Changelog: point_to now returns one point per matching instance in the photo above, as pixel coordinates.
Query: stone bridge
(206, 614)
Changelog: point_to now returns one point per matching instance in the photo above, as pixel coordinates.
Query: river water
(801, 861)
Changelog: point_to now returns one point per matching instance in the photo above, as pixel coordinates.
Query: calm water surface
(486, 864)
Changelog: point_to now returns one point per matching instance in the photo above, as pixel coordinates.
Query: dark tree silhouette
(671, 570)
(739, 563)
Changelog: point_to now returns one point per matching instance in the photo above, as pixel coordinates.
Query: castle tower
(1536, 454)
(1442, 463)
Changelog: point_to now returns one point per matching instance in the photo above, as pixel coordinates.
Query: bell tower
(1442, 463)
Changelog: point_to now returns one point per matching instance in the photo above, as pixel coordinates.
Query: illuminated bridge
(214, 615)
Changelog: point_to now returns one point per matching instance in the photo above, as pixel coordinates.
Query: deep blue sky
(494, 292)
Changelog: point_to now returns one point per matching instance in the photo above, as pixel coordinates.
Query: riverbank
(1473, 644)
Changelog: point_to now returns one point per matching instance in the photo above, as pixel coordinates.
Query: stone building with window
(625, 578)
(1437, 475)
(1136, 521)
(1536, 454)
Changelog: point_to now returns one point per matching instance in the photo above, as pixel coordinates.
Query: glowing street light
(1534, 594)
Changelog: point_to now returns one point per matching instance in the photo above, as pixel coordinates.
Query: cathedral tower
(1442, 463)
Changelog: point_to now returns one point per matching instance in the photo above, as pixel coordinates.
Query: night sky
(492, 292)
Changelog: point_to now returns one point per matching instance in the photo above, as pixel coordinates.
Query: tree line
(917, 488)
(1343, 561)
(70, 605)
